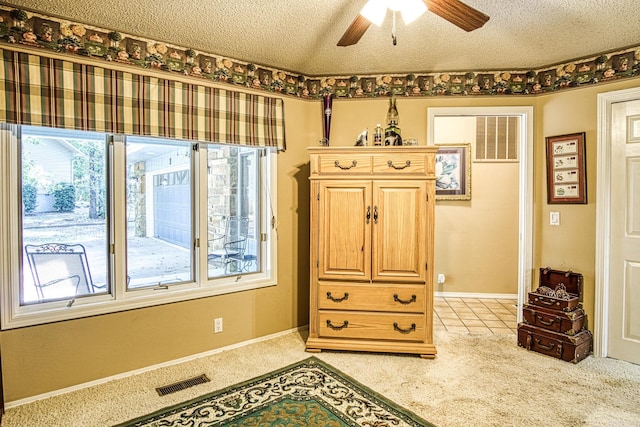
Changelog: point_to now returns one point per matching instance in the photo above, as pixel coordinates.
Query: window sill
(39, 314)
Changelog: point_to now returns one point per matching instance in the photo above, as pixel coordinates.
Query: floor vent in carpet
(172, 388)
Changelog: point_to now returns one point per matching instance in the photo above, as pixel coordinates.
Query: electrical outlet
(440, 278)
(217, 325)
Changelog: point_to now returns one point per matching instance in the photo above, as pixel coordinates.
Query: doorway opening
(525, 180)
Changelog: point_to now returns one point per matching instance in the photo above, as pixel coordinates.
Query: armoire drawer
(400, 164)
(372, 326)
(371, 297)
(340, 164)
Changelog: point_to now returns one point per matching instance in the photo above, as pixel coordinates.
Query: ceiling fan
(454, 11)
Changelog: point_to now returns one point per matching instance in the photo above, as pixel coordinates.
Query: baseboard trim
(475, 295)
(31, 399)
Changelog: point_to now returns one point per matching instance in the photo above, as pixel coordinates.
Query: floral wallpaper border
(35, 30)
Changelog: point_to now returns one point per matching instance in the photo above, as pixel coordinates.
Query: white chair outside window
(230, 247)
(60, 271)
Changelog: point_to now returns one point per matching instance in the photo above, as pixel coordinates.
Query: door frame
(603, 215)
(525, 181)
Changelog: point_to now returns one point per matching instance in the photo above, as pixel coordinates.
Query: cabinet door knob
(375, 214)
(368, 214)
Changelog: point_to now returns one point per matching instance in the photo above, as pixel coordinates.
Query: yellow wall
(44, 358)
(570, 246)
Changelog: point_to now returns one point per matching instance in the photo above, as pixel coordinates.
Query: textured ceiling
(301, 35)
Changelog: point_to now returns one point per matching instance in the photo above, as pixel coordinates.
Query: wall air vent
(497, 138)
(182, 385)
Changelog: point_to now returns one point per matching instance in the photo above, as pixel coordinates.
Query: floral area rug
(307, 393)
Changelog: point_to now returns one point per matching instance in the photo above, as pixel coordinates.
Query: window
(159, 212)
(97, 223)
(233, 202)
(63, 210)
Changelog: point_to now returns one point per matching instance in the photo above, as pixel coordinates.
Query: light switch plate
(554, 218)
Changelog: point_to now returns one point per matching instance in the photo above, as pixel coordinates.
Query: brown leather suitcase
(554, 282)
(570, 348)
(565, 322)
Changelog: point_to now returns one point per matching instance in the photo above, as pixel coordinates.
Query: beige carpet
(476, 380)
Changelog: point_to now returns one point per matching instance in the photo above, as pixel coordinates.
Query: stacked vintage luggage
(554, 321)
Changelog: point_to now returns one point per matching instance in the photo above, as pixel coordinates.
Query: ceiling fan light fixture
(409, 9)
(375, 11)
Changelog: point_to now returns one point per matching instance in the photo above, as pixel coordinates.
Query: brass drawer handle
(406, 165)
(337, 328)
(345, 297)
(352, 165)
(405, 302)
(404, 331)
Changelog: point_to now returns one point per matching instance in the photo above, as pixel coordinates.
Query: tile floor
(475, 315)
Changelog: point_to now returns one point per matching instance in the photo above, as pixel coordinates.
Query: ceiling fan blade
(458, 13)
(355, 31)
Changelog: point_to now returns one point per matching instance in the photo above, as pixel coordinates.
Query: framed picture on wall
(453, 172)
(566, 169)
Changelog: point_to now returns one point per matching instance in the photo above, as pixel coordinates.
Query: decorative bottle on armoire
(392, 132)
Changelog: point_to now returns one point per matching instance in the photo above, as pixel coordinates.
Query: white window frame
(14, 315)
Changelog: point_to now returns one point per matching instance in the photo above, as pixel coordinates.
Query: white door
(624, 261)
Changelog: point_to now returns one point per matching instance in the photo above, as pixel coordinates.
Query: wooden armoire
(372, 229)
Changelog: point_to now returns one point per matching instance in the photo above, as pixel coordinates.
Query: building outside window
(159, 212)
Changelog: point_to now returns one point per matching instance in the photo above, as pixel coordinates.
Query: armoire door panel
(345, 230)
(399, 233)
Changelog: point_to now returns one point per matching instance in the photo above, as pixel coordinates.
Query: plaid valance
(42, 91)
